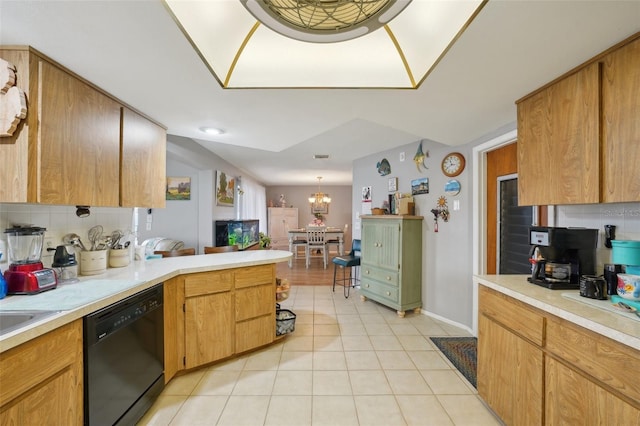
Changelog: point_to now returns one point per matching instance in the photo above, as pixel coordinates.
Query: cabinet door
(558, 142)
(143, 177)
(572, 399)
(280, 221)
(79, 141)
(621, 124)
(173, 309)
(209, 328)
(381, 243)
(509, 374)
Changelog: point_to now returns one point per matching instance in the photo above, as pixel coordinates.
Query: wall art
(225, 189)
(420, 186)
(178, 188)
(384, 168)
(366, 194)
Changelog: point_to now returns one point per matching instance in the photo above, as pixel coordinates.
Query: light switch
(402, 156)
(456, 205)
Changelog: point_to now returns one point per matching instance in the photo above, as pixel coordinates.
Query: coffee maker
(564, 255)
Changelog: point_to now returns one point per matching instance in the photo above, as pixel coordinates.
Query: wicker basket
(285, 322)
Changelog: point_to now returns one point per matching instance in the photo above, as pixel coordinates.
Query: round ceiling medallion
(324, 21)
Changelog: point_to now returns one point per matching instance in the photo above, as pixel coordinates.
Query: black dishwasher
(123, 359)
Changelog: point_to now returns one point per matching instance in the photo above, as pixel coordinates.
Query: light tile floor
(348, 362)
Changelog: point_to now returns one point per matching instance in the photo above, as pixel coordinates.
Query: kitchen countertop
(595, 315)
(74, 301)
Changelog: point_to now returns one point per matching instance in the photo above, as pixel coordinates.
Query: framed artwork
(225, 189)
(178, 188)
(319, 208)
(420, 186)
(393, 184)
(366, 194)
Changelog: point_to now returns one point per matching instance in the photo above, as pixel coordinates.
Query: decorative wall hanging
(13, 103)
(393, 184)
(366, 194)
(178, 188)
(452, 187)
(441, 211)
(225, 189)
(420, 186)
(453, 164)
(384, 168)
(419, 158)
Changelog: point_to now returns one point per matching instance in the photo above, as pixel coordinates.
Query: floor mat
(462, 352)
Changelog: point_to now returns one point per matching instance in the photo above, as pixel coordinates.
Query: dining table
(330, 233)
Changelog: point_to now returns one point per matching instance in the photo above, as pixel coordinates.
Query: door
(513, 229)
(502, 165)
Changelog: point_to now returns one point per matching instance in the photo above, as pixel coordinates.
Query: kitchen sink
(13, 320)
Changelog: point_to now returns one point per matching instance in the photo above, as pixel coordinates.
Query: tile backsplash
(60, 220)
(625, 216)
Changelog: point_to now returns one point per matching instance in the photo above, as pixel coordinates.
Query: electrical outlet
(148, 226)
(402, 156)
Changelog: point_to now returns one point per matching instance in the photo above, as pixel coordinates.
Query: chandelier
(319, 197)
(324, 21)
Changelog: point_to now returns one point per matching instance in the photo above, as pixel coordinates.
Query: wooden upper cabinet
(143, 171)
(78, 145)
(558, 142)
(621, 124)
(79, 141)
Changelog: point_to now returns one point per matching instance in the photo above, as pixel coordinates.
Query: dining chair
(223, 249)
(336, 241)
(316, 242)
(176, 253)
(297, 242)
(351, 261)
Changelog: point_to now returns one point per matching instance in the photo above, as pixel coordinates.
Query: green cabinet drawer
(379, 274)
(386, 292)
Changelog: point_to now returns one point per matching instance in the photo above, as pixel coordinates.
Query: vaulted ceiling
(136, 51)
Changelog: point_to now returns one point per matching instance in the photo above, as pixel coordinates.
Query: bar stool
(175, 253)
(351, 261)
(223, 249)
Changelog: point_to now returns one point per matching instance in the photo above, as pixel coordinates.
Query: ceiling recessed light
(212, 130)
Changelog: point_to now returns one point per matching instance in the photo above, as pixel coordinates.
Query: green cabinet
(391, 261)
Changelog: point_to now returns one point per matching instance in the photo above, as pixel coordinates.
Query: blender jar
(25, 244)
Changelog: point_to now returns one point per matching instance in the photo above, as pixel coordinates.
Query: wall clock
(453, 164)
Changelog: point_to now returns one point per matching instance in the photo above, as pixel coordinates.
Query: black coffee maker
(565, 254)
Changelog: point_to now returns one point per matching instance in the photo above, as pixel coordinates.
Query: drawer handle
(366, 272)
(388, 293)
(366, 285)
(388, 278)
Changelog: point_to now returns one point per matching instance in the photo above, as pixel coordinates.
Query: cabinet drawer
(255, 332)
(255, 301)
(254, 275)
(615, 365)
(383, 275)
(513, 314)
(207, 283)
(387, 292)
(27, 366)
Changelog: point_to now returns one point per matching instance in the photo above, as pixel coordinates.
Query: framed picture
(319, 208)
(178, 188)
(393, 184)
(420, 186)
(225, 189)
(366, 194)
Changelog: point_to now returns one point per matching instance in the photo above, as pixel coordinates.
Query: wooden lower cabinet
(510, 374)
(41, 381)
(536, 368)
(210, 316)
(573, 399)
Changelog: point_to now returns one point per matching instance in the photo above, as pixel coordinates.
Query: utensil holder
(119, 258)
(93, 262)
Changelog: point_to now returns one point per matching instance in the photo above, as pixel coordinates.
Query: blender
(26, 274)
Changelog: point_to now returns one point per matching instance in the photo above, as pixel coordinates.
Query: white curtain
(253, 202)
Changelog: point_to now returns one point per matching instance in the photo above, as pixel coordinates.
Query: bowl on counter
(629, 286)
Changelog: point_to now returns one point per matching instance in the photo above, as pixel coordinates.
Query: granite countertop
(73, 301)
(596, 315)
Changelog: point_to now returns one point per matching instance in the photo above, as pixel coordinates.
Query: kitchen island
(215, 306)
(553, 357)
